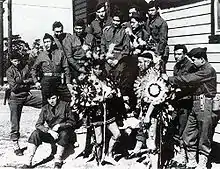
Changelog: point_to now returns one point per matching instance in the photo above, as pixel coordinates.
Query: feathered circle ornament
(155, 91)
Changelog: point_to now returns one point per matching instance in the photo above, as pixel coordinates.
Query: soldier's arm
(66, 68)
(11, 80)
(69, 53)
(103, 44)
(163, 34)
(70, 119)
(126, 44)
(192, 78)
(34, 69)
(41, 120)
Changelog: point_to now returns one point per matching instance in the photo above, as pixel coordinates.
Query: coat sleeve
(70, 118)
(68, 47)
(41, 120)
(35, 67)
(163, 34)
(66, 68)
(126, 44)
(191, 79)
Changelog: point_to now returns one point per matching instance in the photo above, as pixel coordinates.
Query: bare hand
(54, 134)
(38, 85)
(56, 127)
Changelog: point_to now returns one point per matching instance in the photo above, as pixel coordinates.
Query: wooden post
(1, 43)
(9, 27)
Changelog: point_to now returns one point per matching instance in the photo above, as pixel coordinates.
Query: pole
(1, 43)
(9, 27)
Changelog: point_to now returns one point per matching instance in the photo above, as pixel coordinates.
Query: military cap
(198, 53)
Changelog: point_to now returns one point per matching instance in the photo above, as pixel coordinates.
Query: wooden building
(195, 23)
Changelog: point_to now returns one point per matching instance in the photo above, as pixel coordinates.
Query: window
(215, 22)
(217, 17)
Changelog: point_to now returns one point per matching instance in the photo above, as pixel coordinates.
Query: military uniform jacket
(72, 47)
(96, 29)
(115, 36)
(184, 98)
(60, 114)
(16, 76)
(158, 29)
(57, 64)
(204, 79)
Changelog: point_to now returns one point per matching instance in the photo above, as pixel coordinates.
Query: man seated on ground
(60, 130)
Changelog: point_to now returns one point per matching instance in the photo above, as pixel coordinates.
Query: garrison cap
(198, 53)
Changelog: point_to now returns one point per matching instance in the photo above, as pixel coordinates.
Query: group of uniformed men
(102, 70)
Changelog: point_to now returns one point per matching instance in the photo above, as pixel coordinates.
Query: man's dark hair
(153, 3)
(136, 16)
(57, 24)
(135, 7)
(116, 12)
(180, 46)
(198, 53)
(15, 55)
(48, 36)
(80, 22)
(100, 5)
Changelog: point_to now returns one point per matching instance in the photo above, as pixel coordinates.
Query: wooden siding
(80, 9)
(191, 25)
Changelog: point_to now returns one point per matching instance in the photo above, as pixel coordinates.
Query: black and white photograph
(110, 84)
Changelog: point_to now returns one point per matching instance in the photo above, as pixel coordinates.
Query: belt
(201, 97)
(52, 74)
(117, 51)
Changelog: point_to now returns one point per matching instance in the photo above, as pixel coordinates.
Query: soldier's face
(143, 63)
(78, 30)
(198, 61)
(131, 11)
(100, 13)
(52, 100)
(178, 55)
(47, 44)
(58, 31)
(152, 11)
(116, 21)
(15, 62)
(134, 24)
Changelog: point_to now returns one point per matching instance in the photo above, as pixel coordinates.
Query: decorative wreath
(155, 91)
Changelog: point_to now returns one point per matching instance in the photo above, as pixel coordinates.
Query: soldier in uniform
(59, 129)
(19, 81)
(76, 47)
(199, 129)
(52, 63)
(97, 26)
(183, 103)
(158, 31)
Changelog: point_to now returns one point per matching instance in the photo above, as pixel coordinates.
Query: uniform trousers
(16, 104)
(200, 127)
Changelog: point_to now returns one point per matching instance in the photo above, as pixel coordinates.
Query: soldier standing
(97, 26)
(76, 47)
(19, 81)
(52, 63)
(198, 132)
(184, 102)
(158, 31)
